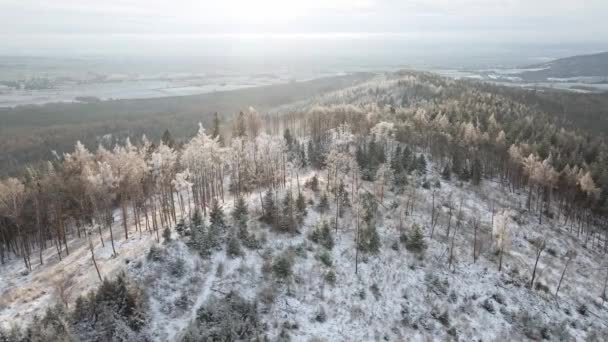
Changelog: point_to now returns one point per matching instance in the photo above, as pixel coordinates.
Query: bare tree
(570, 255)
(539, 245)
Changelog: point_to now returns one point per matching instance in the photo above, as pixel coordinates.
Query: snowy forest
(407, 207)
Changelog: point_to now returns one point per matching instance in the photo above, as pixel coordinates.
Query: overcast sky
(191, 26)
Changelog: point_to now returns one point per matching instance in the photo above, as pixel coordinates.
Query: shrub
(582, 309)
(415, 242)
(233, 248)
(444, 318)
(267, 295)
(436, 285)
(156, 254)
(453, 297)
(325, 259)
(487, 304)
(322, 235)
(362, 294)
(231, 318)
(330, 278)
(281, 267)
(541, 287)
(498, 298)
(395, 246)
(320, 315)
(177, 268)
(531, 325)
(375, 291)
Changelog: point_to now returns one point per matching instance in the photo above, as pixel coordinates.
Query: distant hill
(595, 65)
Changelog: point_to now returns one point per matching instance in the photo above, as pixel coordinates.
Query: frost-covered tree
(500, 233)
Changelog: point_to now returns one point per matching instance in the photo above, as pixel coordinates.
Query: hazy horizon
(310, 28)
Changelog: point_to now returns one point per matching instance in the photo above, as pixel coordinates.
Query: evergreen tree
(421, 164)
(456, 164)
(406, 159)
(476, 172)
(240, 215)
(396, 161)
(445, 173)
(322, 235)
(240, 128)
(301, 207)
(216, 129)
(343, 198)
(167, 235)
(270, 215)
(233, 248)
(199, 240)
(313, 183)
(197, 219)
(311, 153)
(288, 219)
(217, 225)
(369, 240)
(415, 242)
(361, 158)
(167, 139)
(323, 205)
(181, 228)
(288, 138)
(464, 174)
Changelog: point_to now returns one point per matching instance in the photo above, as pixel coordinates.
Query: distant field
(30, 133)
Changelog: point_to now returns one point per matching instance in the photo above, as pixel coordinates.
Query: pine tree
(167, 139)
(456, 164)
(301, 207)
(302, 156)
(446, 174)
(216, 129)
(240, 128)
(197, 219)
(270, 215)
(313, 183)
(288, 138)
(396, 165)
(323, 205)
(311, 153)
(288, 220)
(181, 228)
(476, 172)
(240, 215)
(233, 248)
(415, 242)
(421, 164)
(343, 198)
(322, 234)
(167, 235)
(369, 240)
(217, 225)
(406, 162)
(199, 236)
(361, 158)
(326, 238)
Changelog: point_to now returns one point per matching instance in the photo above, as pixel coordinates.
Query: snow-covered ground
(395, 295)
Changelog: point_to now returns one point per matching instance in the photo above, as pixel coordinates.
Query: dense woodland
(361, 141)
(30, 133)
